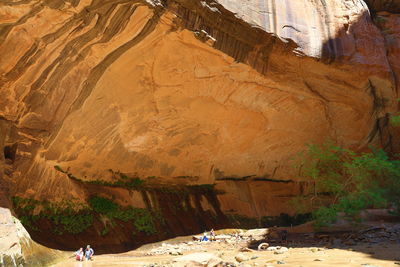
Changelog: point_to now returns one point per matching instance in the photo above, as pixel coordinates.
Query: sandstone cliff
(189, 92)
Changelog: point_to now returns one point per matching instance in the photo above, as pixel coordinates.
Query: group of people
(212, 236)
(87, 253)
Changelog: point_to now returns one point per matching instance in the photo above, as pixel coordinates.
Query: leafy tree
(348, 182)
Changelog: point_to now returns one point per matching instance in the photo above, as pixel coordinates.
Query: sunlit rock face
(11, 233)
(188, 92)
(17, 247)
(319, 28)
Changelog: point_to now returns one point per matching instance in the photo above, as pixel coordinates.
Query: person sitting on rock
(212, 235)
(79, 254)
(89, 253)
(204, 238)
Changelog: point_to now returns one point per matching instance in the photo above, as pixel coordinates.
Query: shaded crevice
(392, 6)
(378, 102)
(381, 128)
(382, 132)
(253, 48)
(10, 152)
(329, 49)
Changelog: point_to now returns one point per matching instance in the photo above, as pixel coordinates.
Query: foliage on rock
(348, 182)
(142, 219)
(74, 218)
(67, 217)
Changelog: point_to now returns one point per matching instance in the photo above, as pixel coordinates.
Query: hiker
(89, 253)
(79, 254)
(212, 235)
(204, 238)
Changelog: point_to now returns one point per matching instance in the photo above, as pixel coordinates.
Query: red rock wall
(189, 90)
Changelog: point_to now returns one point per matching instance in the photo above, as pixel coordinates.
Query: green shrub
(395, 120)
(353, 181)
(29, 221)
(66, 216)
(24, 205)
(74, 218)
(73, 224)
(102, 205)
(142, 219)
(144, 222)
(324, 216)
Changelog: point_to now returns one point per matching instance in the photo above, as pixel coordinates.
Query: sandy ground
(376, 255)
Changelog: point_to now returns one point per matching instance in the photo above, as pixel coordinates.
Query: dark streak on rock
(253, 48)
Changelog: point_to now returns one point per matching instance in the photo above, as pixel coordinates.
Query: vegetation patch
(74, 218)
(74, 223)
(142, 219)
(353, 181)
(67, 217)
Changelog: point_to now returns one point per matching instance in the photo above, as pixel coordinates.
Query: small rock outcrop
(16, 246)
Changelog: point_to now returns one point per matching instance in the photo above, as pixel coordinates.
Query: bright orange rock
(189, 92)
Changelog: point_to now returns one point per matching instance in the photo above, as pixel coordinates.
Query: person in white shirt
(79, 254)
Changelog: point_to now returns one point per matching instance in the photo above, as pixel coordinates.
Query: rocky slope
(249, 248)
(189, 92)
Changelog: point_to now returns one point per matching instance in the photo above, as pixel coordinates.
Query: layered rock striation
(189, 92)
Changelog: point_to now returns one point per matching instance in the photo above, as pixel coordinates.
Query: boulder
(199, 258)
(256, 234)
(241, 257)
(16, 246)
(263, 246)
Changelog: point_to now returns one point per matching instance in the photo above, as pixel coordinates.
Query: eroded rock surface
(189, 92)
(17, 247)
(384, 5)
